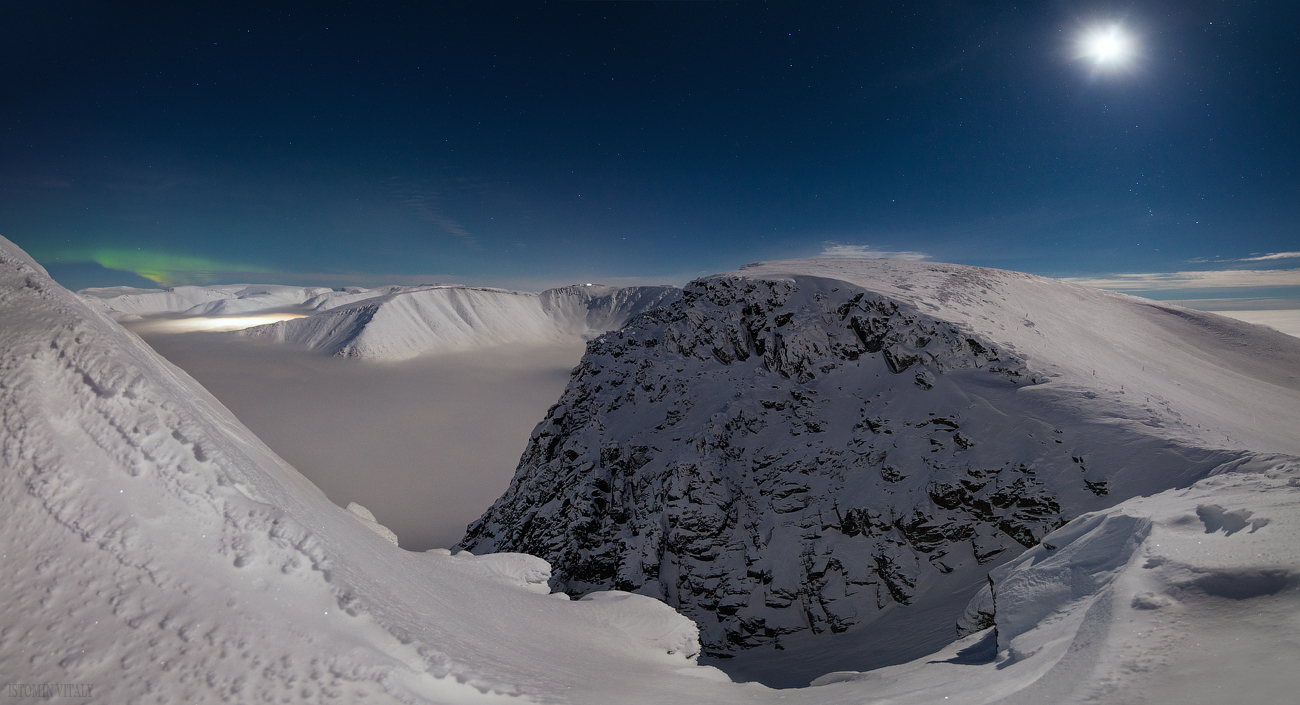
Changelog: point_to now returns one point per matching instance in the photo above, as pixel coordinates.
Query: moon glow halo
(1107, 47)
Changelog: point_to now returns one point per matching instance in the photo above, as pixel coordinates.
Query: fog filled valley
(814, 481)
(425, 444)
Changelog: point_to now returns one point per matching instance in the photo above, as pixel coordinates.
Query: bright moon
(1107, 47)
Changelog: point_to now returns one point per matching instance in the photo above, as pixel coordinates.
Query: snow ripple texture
(154, 549)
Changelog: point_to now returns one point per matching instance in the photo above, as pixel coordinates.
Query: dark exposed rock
(753, 456)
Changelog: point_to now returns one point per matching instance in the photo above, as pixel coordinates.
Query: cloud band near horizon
(1169, 281)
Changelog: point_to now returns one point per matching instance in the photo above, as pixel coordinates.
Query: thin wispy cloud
(1253, 258)
(426, 202)
(1274, 255)
(1165, 281)
(833, 249)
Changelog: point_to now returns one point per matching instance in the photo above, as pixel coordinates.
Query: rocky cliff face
(794, 455)
(596, 308)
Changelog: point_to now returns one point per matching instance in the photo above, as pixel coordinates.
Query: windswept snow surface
(819, 461)
(1189, 596)
(154, 548)
(156, 551)
(1199, 374)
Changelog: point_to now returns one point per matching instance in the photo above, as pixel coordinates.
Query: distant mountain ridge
(125, 302)
(409, 322)
(398, 322)
(827, 446)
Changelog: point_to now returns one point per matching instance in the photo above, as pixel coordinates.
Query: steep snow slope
(408, 322)
(154, 548)
(584, 310)
(819, 461)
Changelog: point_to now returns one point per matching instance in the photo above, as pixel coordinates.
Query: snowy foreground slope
(397, 322)
(153, 547)
(156, 551)
(820, 461)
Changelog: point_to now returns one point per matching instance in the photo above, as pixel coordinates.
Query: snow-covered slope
(411, 321)
(1188, 596)
(819, 461)
(154, 548)
(593, 308)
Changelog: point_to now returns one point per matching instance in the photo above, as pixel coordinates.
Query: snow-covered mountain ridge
(396, 322)
(839, 448)
(125, 302)
(408, 322)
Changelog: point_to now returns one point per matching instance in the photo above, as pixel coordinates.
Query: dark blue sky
(530, 143)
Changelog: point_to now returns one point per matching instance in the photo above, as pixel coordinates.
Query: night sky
(528, 144)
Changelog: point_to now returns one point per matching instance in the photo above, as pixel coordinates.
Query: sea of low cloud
(427, 444)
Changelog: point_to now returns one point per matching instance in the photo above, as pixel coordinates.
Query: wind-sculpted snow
(789, 456)
(1152, 601)
(155, 550)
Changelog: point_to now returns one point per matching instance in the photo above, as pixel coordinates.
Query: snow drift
(819, 461)
(1188, 596)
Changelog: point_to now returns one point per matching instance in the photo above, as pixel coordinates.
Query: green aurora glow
(165, 268)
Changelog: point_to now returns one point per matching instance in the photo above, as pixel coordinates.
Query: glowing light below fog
(209, 323)
(1107, 47)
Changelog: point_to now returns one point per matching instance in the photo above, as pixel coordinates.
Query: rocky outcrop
(744, 457)
(800, 454)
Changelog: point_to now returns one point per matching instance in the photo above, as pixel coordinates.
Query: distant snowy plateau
(393, 322)
(1008, 488)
